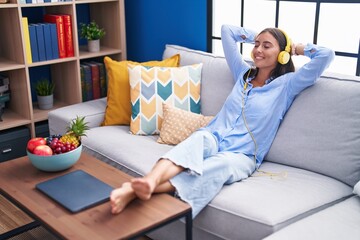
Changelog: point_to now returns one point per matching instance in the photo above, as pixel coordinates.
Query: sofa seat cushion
(133, 154)
(341, 221)
(260, 205)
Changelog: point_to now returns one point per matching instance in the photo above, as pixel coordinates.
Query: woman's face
(266, 51)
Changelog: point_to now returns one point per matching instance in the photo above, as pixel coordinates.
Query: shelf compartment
(11, 41)
(17, 111)
(36, 15)
(113, 41)
(12, 119)
(67, 84)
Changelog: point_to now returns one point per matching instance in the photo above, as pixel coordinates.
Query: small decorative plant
(44, 87)
(91, 31)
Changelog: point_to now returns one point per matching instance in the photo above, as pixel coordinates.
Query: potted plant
(93, 33)
(45, 93)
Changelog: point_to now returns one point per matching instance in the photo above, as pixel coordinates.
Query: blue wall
(150, 24)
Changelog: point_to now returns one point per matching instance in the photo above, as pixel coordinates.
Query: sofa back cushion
(321, 130)
(216, 78)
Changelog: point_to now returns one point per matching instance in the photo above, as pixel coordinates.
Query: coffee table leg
(188, 229)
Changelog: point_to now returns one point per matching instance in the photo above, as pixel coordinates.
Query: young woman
(234, 143)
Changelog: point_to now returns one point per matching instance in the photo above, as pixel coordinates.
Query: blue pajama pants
(207, 169)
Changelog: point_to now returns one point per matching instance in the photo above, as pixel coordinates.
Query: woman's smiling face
(266, 51)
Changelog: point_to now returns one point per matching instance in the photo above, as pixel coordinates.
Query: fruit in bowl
(56, 152)
(34, 142)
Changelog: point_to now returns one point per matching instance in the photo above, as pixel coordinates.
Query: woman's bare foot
(121, 197)
(143, 187)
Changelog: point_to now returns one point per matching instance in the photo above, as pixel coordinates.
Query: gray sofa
(316, 154)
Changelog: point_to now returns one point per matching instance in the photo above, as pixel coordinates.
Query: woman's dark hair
(280, 69)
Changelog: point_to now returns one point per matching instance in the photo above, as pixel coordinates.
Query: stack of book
(4, 93)
(93, 80)
(49, 40)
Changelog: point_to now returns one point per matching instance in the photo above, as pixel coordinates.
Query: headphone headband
(288, 41)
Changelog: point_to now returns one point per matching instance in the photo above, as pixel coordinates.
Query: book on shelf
(25, 25)
(83, 86)
(87, 81)
(40, 41)
(102, 77)
(69, 48)
(54, 40)
(47, 40)
(33, 43)
(95, 78)
(58, 20)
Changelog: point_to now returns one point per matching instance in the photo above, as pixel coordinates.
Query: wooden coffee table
(18, 179)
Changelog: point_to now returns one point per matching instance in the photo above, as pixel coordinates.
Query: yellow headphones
(284, 56)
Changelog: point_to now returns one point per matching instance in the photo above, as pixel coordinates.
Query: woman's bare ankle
(143, 187)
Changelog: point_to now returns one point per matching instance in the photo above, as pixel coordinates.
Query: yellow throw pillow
(178, 124)
(118, 109)
(152, 86)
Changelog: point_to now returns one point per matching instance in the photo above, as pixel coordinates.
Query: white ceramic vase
(94, 45)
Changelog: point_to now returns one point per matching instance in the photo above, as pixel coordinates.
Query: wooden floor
(11, 217)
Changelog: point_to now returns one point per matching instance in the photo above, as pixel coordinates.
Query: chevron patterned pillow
(150, 87)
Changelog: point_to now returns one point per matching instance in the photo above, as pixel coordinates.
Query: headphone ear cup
(283, 57)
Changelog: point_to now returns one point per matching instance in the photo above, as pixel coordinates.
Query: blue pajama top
(265, 106)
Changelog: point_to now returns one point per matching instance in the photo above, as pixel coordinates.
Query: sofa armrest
(93, 111)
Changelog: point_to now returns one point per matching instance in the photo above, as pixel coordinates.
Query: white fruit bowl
(57, 162)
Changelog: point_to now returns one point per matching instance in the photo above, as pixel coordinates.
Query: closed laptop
(76, 190)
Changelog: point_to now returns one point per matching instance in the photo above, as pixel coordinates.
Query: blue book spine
(33, 43)
(54, 40)
(40, 42)
(47, 40)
